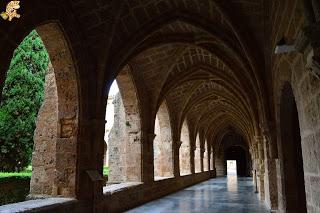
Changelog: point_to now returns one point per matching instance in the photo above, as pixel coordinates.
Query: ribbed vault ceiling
(200, 57)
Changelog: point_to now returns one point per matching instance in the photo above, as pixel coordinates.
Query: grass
(25, 173)
(28, 172)
(105, 171)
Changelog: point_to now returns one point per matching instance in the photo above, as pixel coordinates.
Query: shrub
(14, 189)
(21, 99)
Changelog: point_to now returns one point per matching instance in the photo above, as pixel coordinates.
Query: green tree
(22, 97)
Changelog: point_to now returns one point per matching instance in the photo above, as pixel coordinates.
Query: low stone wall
(142, 193)
(116, 198)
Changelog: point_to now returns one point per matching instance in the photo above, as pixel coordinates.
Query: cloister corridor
(199, 83)
(229, 194)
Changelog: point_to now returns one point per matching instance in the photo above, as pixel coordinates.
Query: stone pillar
(260, 168)
(254, 162)
(271, 193)
(203, 159)
(176, 158)
(220, 167)
(148, 157)
(193, 159)
(213, 167)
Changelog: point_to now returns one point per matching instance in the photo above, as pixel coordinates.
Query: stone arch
(184, 152)
(125, 135)
(54, 157)
(197, 154)
(237, 153)
(163, 146)
(292, 189)
(229, 140)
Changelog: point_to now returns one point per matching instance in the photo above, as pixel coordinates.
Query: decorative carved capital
(308, 35)
(313, 64)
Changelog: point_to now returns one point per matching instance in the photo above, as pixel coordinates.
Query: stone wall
(45, 139)
(293, 68)
(117, 143)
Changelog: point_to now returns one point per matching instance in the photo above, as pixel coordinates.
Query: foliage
(22, 97)
(105, 171)
(13, 189)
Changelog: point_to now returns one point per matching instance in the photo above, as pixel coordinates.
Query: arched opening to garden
(206, 157)
(39, 116)
(291, 154)
(197, 155)
(233, 147)
(184, 151)
(211, 158)
(162, 146)
(109, 117)
(123, 135)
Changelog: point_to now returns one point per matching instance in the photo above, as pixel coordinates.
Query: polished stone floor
(231, 194)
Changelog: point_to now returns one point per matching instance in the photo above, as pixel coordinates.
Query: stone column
(149, 158)
(260, 168)
(193, 159)
(202, 158)
(254, 162)
(209, 159)
(213, 167)
(176, 158)
(271, 193)
(219, 166)
(95, 173)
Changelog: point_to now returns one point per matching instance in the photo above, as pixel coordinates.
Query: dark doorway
(238, 154)
(294, 189)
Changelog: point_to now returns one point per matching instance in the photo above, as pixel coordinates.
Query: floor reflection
(232, 183)
(230, 194)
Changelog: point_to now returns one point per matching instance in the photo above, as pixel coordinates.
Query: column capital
(309, 36)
